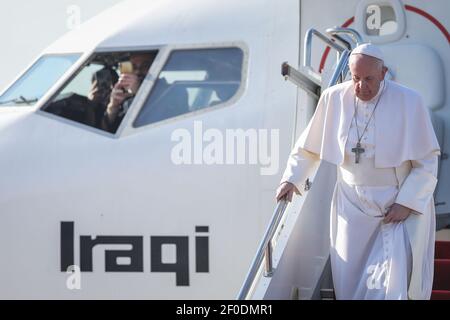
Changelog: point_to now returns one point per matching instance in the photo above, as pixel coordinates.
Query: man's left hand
(397, 213)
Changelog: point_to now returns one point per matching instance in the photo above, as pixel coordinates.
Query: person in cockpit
(125, 89)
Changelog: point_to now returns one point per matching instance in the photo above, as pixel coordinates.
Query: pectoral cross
(358, 150)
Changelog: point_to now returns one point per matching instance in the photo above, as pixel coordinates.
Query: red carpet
(441, 284)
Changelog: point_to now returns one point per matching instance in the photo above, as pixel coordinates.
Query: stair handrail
(308, 45)
(337, 31)
(263, 250)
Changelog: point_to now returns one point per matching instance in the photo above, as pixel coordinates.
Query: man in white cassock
(379, 135)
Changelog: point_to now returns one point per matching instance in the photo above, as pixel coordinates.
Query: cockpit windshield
(103, 89)
(37, 80)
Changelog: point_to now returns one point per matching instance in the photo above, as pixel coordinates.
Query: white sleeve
(300, 166)
(419, 185)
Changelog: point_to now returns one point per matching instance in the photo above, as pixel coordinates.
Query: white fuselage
(139, 224)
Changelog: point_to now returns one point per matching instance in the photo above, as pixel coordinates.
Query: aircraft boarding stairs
(292, 261)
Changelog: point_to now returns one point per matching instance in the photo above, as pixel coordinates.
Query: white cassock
(371, 259)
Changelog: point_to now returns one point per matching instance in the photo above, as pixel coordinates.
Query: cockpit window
(37, 80)
(102, 91)
(191, 80)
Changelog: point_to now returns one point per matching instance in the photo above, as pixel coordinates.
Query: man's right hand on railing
(286, 191)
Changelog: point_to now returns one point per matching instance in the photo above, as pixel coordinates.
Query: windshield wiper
(23, 100)
(20, 100)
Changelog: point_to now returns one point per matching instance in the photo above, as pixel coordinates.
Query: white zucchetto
(369, 49)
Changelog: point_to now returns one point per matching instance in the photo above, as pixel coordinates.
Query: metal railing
(308, 45)
(264, 251)
(336, 32)
(342, 40)
(340, 71)
(265, 246)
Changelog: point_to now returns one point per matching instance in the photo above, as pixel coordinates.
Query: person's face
(141, 64)
(367, 74)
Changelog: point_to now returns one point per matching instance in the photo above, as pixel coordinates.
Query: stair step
(294, 293)
(441, 274)
(442, 250)
(327, 294)
(440, 295)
